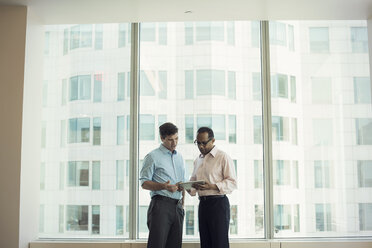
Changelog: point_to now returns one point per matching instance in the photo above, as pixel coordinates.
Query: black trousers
(214, 219)
(165, 221)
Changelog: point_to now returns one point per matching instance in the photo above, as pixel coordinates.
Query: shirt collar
(212, 152)
(165, 150)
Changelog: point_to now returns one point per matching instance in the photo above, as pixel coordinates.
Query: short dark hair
(206, 130)
(167, 129)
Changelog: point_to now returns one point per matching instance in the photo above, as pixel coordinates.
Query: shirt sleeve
(228, 184)
(147, 170)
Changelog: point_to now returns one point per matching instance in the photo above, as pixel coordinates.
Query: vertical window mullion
(267, 130)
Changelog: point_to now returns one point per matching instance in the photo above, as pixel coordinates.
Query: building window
(256, 86)
(322, 132)
(365, 216)
(322, 174)
(189, 128)
(365, 173)
(277, 33)
(282, 172)
(210, 82)
(294, 131)
(96, 175)
(257, 129)
(363, 131)
(190, 221)
(64, 92)
(319, 39)
(258, 218)
(280, 128)
(163, 84)
(258, 174)
(147, 83)
(279, 85)
(119, 220)
(210, 31)
(97, 131)
(79, 130)
(78, 173)
(98, 37)
(362, 90)
(61, 219)
(234, 219)
(147, 127)
(359, 39)
(41, 218)
(232, 129)
(291, 45)
(295, 174)
(76, 218)
(81, 36)
(293, 89)
(97, 94)
(189, 164)
(163, 33)
(282, 217)
(216, 122)
(296, 218)
(323, 217)
(255, 34)
(80, 88)
(142, 226)
(122, 34)
(230, 33)
(148, 32)
(96, 219)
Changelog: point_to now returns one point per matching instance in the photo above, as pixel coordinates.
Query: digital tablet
(188, 185)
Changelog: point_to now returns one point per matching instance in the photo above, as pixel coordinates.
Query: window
(282, 172)
(189, 33)
(280, 128)
(122, 34)
(147, 127)
(359, 39)
(278, 33)
(319, 39)
(119, 220)
(362, 90)
(189, 128)
(232, 129)
(97, 131)
(279, 85)
(207, 31)
(210, 82)
(189, 219)
(363, 131)
(293, 89)
(189, 84)
(234, 219)
(97, 94)
(148, 32)
(80, 88)
(96, 175)
(365, 216)
(282, 217)
(42, 176)
(142, 226)
(79, 130)
(77, 218)
(216, 122)
(259, 218)
(322, 174)
(365, 173)
(96, 219)
(78, 173)
(163, 36)
(323, 217)
(98, 39)
(41, 217)
(81, 36)
(230, 33)
(257, 129)
(255, 34)
(258, 174)
(256, 86)
(291, 45)
(163, 85)
(232, 85)
(147, 83)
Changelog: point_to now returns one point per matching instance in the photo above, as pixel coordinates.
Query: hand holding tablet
(188, 185)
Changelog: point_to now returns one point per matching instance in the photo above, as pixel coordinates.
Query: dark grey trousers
(165, 221)
(214, 220)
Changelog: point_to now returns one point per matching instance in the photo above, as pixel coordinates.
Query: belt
(165, 198)
(207, 197)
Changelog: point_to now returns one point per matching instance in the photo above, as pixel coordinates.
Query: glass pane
(82, 145)
(214, 90)
(322, 131)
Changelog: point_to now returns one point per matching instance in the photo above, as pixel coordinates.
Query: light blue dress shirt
(161, 165)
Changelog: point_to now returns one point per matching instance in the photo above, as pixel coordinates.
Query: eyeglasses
(203, 143)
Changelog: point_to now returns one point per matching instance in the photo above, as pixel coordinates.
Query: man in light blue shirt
(163, 169)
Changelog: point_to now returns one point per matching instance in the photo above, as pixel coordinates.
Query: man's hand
(180, 188)
(170, 187)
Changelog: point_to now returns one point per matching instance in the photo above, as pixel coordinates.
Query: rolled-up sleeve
(147, 170)
(228, 184)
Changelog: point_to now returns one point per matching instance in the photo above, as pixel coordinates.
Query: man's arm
(155, 186)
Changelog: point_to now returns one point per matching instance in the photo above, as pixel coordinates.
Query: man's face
(170, 141)
(204, 143)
